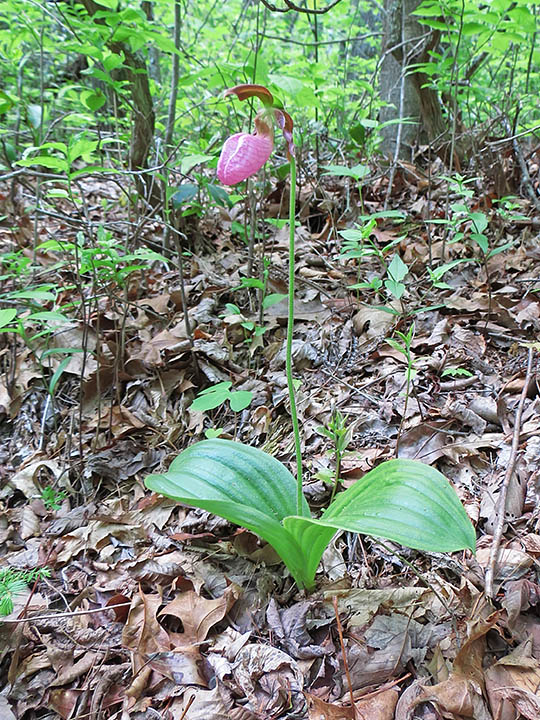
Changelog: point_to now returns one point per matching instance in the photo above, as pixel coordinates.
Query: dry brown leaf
(183, 667)
(380, 706)
(289, 625)
(518, 672)
(198, 615)
(462, 693)
(372, 323)
(525, 702)
(96, 536)
(212, 704)
(512, 564)
(320, 710)
(6, 713)
(142, 632)
(5, 399)
(29, 523)
(25, 479)
(62, 701)
(520, 595)
(425, 441)
(361, 605)
(78, 669)
(271, 680)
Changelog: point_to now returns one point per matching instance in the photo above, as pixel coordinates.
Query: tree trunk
(143, 117)
(406, 42)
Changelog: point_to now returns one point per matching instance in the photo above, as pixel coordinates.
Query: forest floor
(159, 611)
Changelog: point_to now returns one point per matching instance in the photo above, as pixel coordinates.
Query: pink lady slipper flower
(244, 154)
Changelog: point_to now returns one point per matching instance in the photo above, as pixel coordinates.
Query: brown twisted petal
(285, 122)
(243, 92)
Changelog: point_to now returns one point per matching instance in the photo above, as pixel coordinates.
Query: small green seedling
(404, 347)
(462, 217)
(14, 582)
(219, 394)
(456, 372)
(52, 499)
(341, 435)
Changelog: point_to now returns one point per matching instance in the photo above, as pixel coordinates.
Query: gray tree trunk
(406, 42)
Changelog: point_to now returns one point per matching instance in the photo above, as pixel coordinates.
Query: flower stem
(290, 329)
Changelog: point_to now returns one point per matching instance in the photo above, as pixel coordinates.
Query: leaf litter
(157, 610)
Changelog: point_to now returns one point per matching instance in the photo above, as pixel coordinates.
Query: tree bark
(142, 106)
(406, 42)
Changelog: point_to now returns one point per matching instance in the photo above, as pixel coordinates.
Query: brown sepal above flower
(243, 92)
(283, 119)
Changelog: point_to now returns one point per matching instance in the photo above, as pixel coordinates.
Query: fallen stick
(501, 505)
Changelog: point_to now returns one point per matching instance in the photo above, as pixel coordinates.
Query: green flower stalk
(242, 156)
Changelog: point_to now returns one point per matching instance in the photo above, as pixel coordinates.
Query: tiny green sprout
(14, 582)
(340, 435)
(456, 372)
(52, 499)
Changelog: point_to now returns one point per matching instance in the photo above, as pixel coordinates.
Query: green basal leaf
(401, 500)
(244, 485)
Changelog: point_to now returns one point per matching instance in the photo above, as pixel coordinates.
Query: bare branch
(291, 6)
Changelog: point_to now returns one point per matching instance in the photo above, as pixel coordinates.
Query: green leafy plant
(401, 500)
(456, 372)
(466, 224)
(219, 394)
(254, 330)
(403, 346)
(52, 499)
(14, 582)
(358, 244)
(340, 434)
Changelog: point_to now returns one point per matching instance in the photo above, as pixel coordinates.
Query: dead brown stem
(501, 505)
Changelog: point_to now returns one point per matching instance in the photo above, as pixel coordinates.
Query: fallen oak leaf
(198, 615)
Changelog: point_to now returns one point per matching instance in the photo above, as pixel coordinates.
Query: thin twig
(343, 653)
(73, 613)
(526, 178)
(292, 6)
(189, 704)
(501, 505)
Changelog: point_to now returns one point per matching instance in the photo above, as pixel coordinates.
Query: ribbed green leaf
(242, 484)
(401, 500)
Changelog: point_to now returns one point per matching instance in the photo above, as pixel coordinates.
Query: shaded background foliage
(466, 71)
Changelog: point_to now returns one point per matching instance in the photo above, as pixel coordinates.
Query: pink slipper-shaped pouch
(243, 154)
